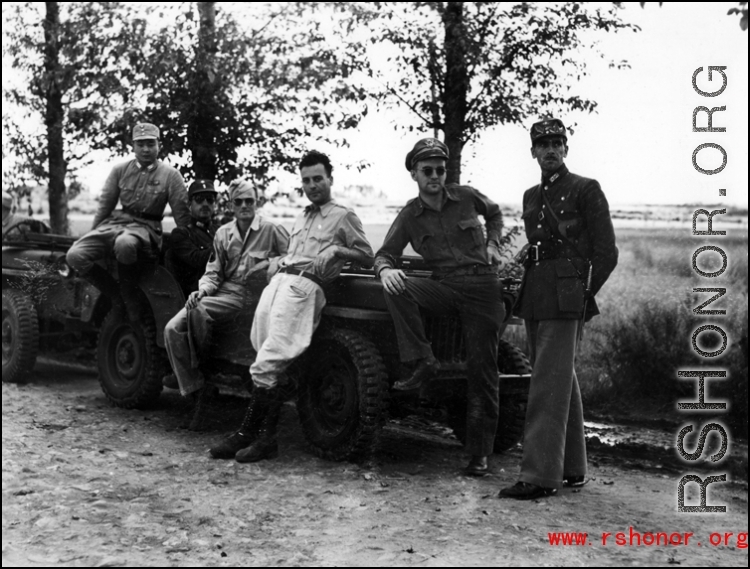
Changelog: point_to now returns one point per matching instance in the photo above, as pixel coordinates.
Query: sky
(639, 144)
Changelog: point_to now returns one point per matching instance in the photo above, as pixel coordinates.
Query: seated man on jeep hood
(325, 236)
(236, 273)
(443, 226)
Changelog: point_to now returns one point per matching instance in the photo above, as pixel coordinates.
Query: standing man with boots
(191, 246)
(242, 254)
(143, 187)
(325, 236)
(570, 255)
(442, 224)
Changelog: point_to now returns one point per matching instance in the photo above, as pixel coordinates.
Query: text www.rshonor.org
(633, 538)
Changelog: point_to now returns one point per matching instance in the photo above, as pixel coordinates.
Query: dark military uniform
(464, 283)
(551, 303)
(189, 250)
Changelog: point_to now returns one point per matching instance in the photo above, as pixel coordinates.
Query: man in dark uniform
(191, 246)
(571, 253)
(443, 226)
(142, 187)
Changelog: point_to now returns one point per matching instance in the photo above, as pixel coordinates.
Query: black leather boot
(248, 432)
(266, 445)
(106, 284)
(129, 275)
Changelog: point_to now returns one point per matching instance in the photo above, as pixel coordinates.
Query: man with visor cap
(143, 187)
(442, 225)
(570, 254)
(191, 246)
(243, 253)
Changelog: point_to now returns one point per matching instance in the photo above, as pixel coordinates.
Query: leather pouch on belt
(569, 287)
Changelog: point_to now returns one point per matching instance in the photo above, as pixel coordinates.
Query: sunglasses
(205, 198)
(240, 201)
(428, 170)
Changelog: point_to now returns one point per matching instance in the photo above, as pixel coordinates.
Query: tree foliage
(464, 67)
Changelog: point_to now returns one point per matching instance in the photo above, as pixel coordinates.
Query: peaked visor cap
(424, 149)
(201, 187)
(145, 130)
(548, 127)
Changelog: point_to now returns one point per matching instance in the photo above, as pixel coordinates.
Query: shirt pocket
(569, 287)
(473, 228)
(424, 244)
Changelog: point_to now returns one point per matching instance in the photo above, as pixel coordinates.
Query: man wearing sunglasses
(570, 255)
(442, 225)
(191, 246)
(142, 187)
(237, 271)
(324, 237)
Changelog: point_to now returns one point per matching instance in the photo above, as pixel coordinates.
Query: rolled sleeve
(352, 233)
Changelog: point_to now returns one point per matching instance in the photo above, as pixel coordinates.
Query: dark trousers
(478, 301)
(554, 444)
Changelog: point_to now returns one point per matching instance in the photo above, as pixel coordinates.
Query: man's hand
(324, 258)
(394, 281)
(273, 268)
(493, 255)
(194, 299)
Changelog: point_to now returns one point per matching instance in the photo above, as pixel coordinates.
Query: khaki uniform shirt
(318, 228)
(143, 189)
(233, 262)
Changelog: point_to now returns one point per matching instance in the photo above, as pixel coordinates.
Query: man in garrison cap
(242, 254)
(442, 225)
(191, 246)
(570, 254)
(142, 187)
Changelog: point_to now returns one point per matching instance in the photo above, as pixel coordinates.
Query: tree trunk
(202, 128)
(53, 120)
(456, 86)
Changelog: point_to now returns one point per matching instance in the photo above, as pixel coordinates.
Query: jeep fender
(164, 296)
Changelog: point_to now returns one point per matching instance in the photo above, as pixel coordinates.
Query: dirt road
(85, 484)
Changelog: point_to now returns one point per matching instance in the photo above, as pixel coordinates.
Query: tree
(245, 98)
(463, 67)
(70, 60)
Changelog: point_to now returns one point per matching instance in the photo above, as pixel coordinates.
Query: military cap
(241, 188)
(144, 130)
(424, 149)
(7, 200)
(548, 127)
(201, 187)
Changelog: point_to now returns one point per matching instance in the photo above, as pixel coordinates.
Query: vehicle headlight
(64, 270)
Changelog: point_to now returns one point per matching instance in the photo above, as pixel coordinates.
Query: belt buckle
(534, 252)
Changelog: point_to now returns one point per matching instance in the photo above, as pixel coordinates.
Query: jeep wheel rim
(7, 337)
(128, 356)
(336, 403)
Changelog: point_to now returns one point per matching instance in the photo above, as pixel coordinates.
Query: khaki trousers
(286, 318)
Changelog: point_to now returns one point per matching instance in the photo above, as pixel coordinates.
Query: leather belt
(470, 270)
(549, 251)
(306, 274)
(142, 214)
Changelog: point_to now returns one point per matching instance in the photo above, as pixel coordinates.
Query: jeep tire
(512, 415)
(342, 395)
(131, 365)
(20, 336)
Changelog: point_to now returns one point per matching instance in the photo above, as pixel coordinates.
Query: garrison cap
(424, 149)
(201, 187)
(7, 200)
(144, 130)
(241, 188)
(548, 127)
